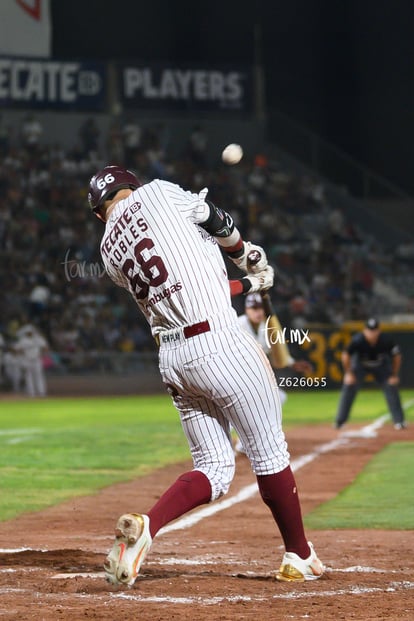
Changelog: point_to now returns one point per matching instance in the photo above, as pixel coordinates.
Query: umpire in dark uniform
(370, 351)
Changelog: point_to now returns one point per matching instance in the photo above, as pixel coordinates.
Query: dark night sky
(345, 69)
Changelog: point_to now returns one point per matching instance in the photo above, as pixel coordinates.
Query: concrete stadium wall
(104, 384)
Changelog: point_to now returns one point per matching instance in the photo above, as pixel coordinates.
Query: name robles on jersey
(124, 230)
(170, 290)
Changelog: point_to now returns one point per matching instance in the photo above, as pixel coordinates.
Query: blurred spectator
(89, 135)
(38, 299)
(51, 274)
(13, 368)
(153, 145)
(405, 252)
(31, 133)
(115, 143)
(5, 137)
(31, 347)
(131, 137)
(196, 148)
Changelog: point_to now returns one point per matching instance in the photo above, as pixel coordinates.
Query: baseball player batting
(164, 245)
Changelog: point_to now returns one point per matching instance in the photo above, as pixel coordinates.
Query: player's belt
(172, 336)
(196, 328)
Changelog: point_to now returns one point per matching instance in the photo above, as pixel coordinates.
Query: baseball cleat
(132, 543)
(296, 569)
(400, 426)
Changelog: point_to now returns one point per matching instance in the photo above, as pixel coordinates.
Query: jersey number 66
(152, 269)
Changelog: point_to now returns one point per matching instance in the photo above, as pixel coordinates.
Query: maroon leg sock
(280, 494)
(189, 491)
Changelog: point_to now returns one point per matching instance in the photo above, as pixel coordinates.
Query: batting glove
(259, 282)
(253, 259)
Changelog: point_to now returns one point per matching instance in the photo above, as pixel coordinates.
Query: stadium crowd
(51, 274)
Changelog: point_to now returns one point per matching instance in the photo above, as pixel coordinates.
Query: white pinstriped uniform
(216, 378)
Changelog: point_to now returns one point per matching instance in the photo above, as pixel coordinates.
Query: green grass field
(55, 449)
(389, 477)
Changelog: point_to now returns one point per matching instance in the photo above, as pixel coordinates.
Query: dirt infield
(219, 569)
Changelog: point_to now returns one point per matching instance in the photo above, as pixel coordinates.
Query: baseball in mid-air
(232, 154)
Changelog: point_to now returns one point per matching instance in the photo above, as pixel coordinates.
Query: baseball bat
(280, 352)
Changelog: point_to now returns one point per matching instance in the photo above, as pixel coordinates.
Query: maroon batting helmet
(108, 181)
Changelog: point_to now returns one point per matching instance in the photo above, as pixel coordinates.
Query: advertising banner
(185, 88)
(25, 28)
(52, 84)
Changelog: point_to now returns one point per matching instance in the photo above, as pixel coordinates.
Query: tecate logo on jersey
(123, 233)
(294, 335)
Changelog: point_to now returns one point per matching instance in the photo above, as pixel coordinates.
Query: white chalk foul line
(208, 601)
(388, 587)
(247, 492)
(391, 587)
(17, 436)
(21, 431)
(17, 550)
(355, 569)
(80, 574)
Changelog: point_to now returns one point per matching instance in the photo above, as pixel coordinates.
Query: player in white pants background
(31, 347)
(253, 320)
(164, 245)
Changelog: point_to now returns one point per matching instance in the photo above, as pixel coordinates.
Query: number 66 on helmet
(108, 181)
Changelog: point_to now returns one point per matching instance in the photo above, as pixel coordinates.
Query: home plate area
(220, 567)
